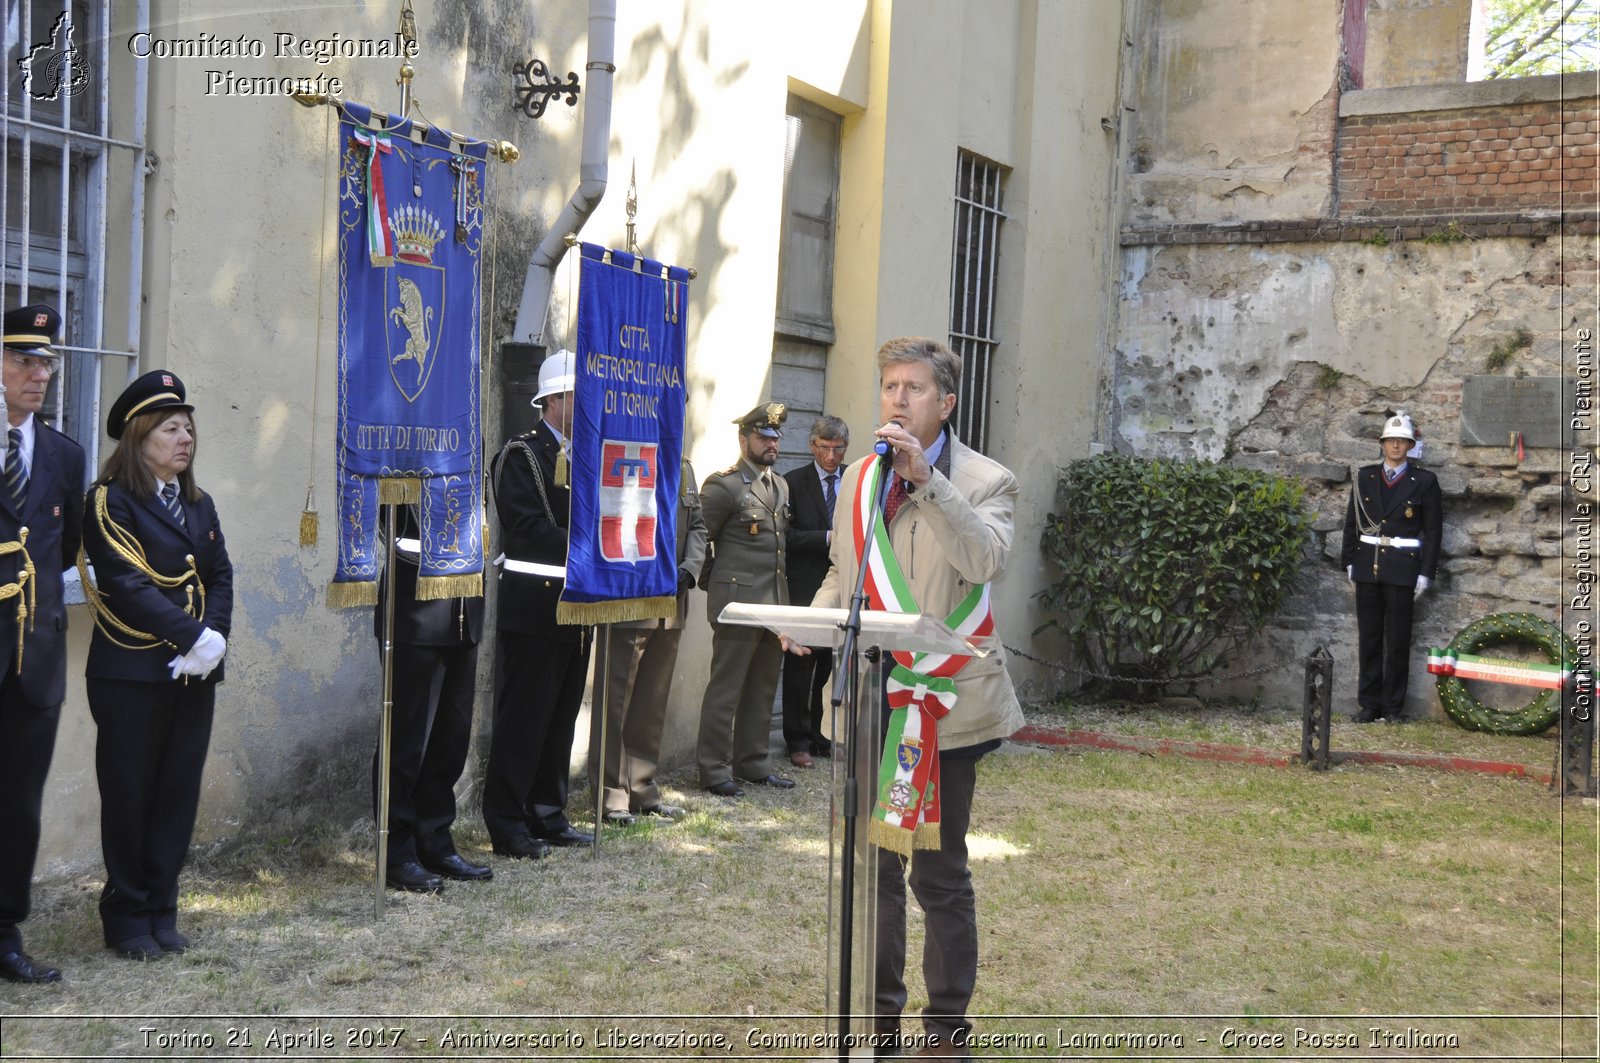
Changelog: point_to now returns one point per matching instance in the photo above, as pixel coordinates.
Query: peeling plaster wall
(1225, 353)
(1221, 132)
(1416, 42)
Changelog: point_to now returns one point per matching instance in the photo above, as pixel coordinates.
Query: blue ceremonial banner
(410, 430)
(627, 440)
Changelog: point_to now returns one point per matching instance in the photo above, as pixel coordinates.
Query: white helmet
(557, 374)
(1398, 426)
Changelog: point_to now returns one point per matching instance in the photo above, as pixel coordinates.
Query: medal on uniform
(755, 528)
(1408, 513)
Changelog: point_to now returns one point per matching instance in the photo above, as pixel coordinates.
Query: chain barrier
(1207, 677)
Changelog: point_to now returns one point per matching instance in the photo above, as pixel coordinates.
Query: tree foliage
(1168, 568)
(1526, 38)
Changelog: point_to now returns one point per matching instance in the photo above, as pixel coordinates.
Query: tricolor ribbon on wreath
(410, 235)
(1497, 669)
(920, 689)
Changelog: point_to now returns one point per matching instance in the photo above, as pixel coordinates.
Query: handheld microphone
(883, 448)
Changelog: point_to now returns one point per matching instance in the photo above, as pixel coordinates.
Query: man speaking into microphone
(951, 509)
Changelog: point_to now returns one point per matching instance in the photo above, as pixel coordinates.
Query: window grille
(74, 166)
(973, 260)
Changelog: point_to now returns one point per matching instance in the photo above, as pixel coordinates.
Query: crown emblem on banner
(416, 233)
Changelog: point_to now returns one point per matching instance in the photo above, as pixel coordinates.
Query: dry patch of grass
(1109, 885)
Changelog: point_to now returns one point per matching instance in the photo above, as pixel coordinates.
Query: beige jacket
(951, 534)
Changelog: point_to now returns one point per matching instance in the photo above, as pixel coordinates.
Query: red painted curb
(1062, 737)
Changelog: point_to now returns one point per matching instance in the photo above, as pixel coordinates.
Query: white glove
(1423, 583)
(178, 664)
(206, 653)
(1350, 573)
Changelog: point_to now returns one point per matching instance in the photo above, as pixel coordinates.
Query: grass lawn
(1244, 911)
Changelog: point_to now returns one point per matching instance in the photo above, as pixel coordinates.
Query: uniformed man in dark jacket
(1392, 526)
(540, 666)
(435, 673)
(746, 510)
(43, 493)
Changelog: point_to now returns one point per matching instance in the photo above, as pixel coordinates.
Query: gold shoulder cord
(1364, 522)
(25, 590)
(126, 546)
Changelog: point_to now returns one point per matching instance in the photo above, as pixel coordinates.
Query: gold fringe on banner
(308, 528)
(349, 595)
(433, 588)
(399, 491)
(618, 611)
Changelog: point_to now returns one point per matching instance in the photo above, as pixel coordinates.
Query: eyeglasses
(832, 448)
(31, 363)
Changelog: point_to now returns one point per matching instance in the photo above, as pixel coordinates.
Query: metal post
(1318, 716)
(601, 707)
(1575, 772)
(386, 719)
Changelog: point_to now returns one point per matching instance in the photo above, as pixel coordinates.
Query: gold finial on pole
(408, 33)
(632, 204)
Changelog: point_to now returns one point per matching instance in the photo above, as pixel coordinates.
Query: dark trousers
(1383, 624)
(429, 733)
(942, 883)
(539, 683)
(804, 679)
(149, 753)
(27, 741)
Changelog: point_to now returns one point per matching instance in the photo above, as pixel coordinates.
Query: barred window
(973, 261)
(73, 189)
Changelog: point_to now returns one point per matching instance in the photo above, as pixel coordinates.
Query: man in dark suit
(540, 666)
(43, 493)
(1392, 527)
(813, 492)
(746, 509)
(435, 671)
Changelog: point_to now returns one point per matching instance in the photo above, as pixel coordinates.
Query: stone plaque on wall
(1495, 407)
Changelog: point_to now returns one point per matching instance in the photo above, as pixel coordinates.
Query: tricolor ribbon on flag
(1498, 669)
(921, 688)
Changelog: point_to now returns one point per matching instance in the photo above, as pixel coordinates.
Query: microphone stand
(847, 692)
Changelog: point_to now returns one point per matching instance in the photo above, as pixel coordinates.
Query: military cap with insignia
(766, 419)
(32, 329)
(159, 389)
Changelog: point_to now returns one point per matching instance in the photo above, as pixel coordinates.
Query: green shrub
(1169, 567)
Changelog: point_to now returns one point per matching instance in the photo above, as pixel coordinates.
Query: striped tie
(831, 496)
(169, 496)
(16, 474)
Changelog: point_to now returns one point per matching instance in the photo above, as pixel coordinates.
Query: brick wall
(1519, 157)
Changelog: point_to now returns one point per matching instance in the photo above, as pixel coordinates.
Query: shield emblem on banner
(413, 323)
(627, 501)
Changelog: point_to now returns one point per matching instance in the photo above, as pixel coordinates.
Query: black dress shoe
(665, 811)
(142, 947)
(777, 782)
(413, 878)
(522, 847)
(568, 838)
(458, 867)
(171, 940)
(728, 788)
(1369, 716)
(20, 967)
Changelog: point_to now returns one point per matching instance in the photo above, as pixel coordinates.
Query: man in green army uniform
(746, 510)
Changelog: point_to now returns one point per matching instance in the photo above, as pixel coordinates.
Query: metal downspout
(600, 70)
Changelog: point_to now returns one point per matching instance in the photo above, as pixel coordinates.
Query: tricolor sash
(921, 687)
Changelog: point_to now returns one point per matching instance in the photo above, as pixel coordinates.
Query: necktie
(169, 497)
(831, 494)
(16, 475)
(1390, 475)
(897, 498)
(766, 490)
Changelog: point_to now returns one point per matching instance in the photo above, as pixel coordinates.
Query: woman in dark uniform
(162, 596)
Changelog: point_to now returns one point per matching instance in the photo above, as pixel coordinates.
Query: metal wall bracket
(539, 85)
